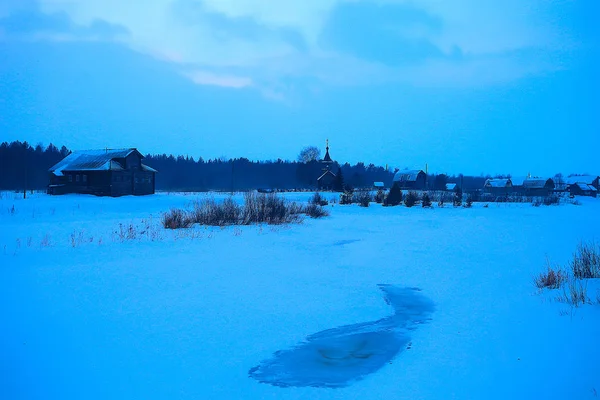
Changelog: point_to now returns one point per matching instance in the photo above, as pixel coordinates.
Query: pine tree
(394, 197)
(339, 181)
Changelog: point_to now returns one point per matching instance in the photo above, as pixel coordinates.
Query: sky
(464, 86)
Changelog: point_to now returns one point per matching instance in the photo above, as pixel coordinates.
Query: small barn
(582, 189)
(450, 187)
(592, 180)
(538, 187)
(498, 187)
(326, 181)
(411, 179)
(378, 185)
(108, 172)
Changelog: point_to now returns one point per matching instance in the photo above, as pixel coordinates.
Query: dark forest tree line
(23, 166)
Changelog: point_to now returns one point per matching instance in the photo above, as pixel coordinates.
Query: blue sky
(466, 86)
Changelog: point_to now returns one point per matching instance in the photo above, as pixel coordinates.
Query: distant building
(103, 172)
(592, 180)
(532, 186)
(450, 187)
(498, 187)
(410, 179)
(582, 189)
(378, 185)
(538, 186)
(327, 180)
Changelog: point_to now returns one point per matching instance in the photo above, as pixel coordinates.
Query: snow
(407, 175)
(498, 183)
(210, 312)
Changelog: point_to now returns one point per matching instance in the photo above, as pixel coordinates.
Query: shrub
(362, 197)
(410, 199)
(552, 199)
(380, 196)
(318, 200)
(586, 261)
(315, 211)
(394, 197)
(267, 208)
(469, 201)
(426, 201)
(175, 219)
(551, 279)
(346, 197)
(576, 295)
(457, 198)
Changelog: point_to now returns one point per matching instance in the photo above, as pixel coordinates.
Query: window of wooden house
(70, 178)
(84, 177)
(77, 178)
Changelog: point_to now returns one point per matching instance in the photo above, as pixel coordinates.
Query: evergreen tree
(339, 181)
(394, 197)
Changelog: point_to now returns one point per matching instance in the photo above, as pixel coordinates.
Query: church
(327, 179)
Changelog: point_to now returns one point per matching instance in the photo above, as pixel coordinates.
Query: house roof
(94, 160)
(325, 173)
(407, 175)
(585, 187)
(498, 183)
(587, 179)
(378, 184)
(450, 186)
(535, 183)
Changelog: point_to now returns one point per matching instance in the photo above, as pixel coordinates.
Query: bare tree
(308, 154)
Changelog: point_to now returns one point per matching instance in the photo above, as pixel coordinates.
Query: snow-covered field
(97, 301)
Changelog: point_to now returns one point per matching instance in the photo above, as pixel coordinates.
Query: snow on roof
(325, 173)
(498, 183)
(91, 160)
(535, 183)
(587, 179)
(450, 186)
(586, 187)
(378, 184)
(407, 175)
(518, 180)
(147, 168)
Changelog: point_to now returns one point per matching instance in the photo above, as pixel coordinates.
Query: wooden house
(538, 187)
(582, 189)
(326, 181)
(592, 180)
(109, 172)
(410, 179)
(498, 187)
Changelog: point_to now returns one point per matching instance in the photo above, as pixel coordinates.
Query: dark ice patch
(336, 358)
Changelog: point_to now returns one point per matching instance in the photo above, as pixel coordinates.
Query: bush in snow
(586, 261)
(576, 294)
(379, 196)
(426, 201)
(346, 197)
(553, 278)
(315, 211)
(457, 198)
(318, 200)
(394, 197)
(411, 199)
(362, 197)
(469, 201)
(551, 199)
(175, 219)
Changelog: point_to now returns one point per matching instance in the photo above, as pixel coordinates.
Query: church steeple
(327, 158)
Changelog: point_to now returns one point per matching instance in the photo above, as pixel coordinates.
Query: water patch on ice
(338, 357)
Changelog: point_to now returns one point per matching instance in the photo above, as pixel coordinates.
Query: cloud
(265, 44)
(208, 78)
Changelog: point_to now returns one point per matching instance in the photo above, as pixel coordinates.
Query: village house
(582, 189)
(109, 172)
(532, 186)
(592, 180)
(450, 187)
(498, 187)
(410, 179)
